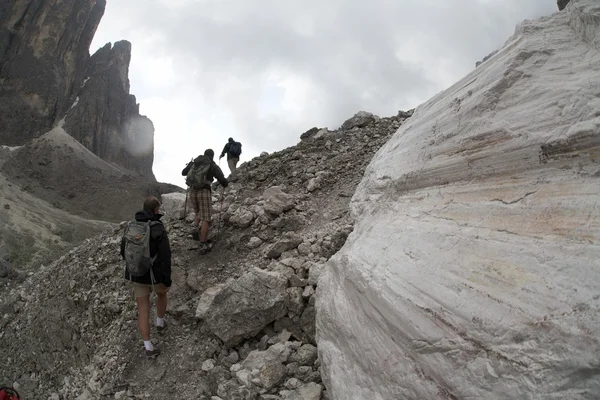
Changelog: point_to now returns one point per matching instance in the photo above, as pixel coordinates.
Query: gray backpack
(137, 248)
(197, 176)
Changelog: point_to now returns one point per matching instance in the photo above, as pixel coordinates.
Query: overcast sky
(265, 71)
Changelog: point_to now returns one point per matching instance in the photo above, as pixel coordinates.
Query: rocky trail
(241, 318)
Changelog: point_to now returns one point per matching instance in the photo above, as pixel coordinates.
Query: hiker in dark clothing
(233, 150)
(200, 174)
(161, 272)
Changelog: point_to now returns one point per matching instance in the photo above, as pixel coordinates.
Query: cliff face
(44, 50)
(47, 75)
(112, 128)
(474, 267)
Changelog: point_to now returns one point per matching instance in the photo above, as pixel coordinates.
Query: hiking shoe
(205, 247)
(150, 354)
(161, 329)
(196, 235)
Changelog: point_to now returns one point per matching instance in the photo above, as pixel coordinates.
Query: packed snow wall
(473, 271)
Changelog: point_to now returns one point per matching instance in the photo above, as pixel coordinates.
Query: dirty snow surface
(473, 271)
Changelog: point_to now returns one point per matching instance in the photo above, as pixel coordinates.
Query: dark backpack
(137, 248)
(235, 149)
(8, 393)
(197, 176)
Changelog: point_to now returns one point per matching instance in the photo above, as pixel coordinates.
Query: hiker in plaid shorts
(200, 174)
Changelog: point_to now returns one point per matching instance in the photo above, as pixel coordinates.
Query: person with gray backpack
(200, 174)
(147, 254)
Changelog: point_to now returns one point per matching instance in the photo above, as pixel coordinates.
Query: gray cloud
(267, 70)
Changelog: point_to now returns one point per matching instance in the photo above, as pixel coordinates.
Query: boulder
(359, 120)
(277, 201)
(271, 375)
(242, 218)
(287, 242)
(173, 205)
(306, 355)
(473, 269)
(277, 354)
(309, 133)
(308, 391)
(241, 308)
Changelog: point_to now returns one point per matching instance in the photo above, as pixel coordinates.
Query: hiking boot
(150, 354)
(161, 329)
(205, 247)
(195, 235)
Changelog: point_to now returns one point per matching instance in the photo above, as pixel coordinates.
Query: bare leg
(161, 304)
(204, 231)
(143, 304)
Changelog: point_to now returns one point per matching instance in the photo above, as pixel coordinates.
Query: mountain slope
(89, 302)
(57, 168)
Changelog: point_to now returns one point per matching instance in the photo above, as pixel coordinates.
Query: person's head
(209, 153)
(230, 140)
(152, 205)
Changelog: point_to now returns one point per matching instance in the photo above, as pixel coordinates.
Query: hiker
(233, 150)
(200, 174)
(150, 272)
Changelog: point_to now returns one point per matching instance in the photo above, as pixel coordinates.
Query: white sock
(148, 345)
(160, 321)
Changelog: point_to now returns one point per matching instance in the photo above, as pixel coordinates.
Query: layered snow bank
(473, 271)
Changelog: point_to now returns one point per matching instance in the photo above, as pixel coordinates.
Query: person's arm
(123, 247)
(164, 252)
(219, 175)
(187, 168)
(225, 150)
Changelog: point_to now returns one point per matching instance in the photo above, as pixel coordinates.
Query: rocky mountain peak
(47, 76)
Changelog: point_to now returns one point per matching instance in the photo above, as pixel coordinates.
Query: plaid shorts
(202, 203)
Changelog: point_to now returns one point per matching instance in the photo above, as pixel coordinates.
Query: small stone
(244, 377)
(232, 358)
(208, 365)
(121, 394)
(308, 291)
(296, 281)
(254, 242)
(271, 375)
(295, 301)
(306, 355)
(293, 383)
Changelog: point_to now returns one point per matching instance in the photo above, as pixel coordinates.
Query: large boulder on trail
(241, 308)
(359, 120)
(287, 242)
(277, 201)
(173, 205)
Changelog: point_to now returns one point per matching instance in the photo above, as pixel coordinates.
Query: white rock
(308, 291)
(254, 242)
(313, 184)
(474, 266)
(208, 365)
(314, 273)
(277, 201)
(173, 205)
(244, 377)
(242, 218)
